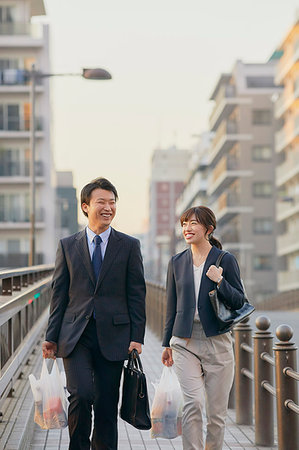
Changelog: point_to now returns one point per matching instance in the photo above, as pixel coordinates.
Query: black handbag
(135, 406)
(227, 318)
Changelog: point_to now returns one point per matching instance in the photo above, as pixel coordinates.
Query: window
(262, 262)
(257, 82)
(6, 14)
(261, 153)
(9, 117)
(13, 246)
(263, 225)
(261, 117)
(9, 64)
(262, 189)
(9, 162)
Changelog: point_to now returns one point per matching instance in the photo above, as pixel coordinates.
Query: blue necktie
(97, 256)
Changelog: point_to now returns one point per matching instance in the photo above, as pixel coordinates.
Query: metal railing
(254, 387)
(284, 389)
(23, 313)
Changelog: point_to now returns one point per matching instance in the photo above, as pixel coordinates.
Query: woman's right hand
(167, 357)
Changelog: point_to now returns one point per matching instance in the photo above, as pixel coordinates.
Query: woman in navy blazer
(202, 354)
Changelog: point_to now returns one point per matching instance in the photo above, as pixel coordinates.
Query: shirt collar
(90, 234)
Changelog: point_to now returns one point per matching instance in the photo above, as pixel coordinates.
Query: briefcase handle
(134, 361)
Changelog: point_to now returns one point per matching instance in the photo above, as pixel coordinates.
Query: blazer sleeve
(136, 291)
(59, 298)
(231, 289)
(171, 307)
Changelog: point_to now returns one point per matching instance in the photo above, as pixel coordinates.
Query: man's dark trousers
(92, 380)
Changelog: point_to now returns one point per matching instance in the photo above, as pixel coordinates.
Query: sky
(165, 57)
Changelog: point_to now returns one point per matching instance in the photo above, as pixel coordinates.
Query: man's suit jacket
(181, 302)
(118, 296)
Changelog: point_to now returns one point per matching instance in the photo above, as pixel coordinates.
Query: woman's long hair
(205, 217)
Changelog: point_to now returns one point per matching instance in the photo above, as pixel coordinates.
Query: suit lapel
(83, 252)
(185, 276)
(110, 254)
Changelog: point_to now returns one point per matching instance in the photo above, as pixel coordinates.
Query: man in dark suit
(97, 316)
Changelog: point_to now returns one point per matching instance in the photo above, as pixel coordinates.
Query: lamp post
(34, 75)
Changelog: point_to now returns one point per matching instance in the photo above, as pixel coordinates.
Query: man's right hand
(49, 349)
(167, 357)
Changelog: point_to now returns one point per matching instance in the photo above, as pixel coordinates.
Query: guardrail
(24, 298)
(254, 387)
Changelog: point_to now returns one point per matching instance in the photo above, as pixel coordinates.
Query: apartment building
(287, 149)
(241, 185)
(168, 174)
(66, 205)
(23, 44)
(194, 192)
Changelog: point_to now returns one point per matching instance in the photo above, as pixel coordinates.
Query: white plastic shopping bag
(166, 413)
(50, 398)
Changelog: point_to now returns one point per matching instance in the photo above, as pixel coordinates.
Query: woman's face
(193, 231)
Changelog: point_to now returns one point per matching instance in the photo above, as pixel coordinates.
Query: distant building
(194, 192)
(66, 204)
(287, 149)
(21, 45)
(241, 185)
(168, 174)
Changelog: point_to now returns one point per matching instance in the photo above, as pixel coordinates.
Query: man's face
(101, 209)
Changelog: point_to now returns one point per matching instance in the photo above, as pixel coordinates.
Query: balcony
(287, 135)
(287, 207)
(197, 186)
(289, 169)
(16, 80)
(16, 128)
(285, 101)
(225, 103)
(228, 205)
(288, 280)
(288, 243)
(17, 172)
(14, 219)
(20, 34)
(225, 138)
(286, 62)
(227, 170)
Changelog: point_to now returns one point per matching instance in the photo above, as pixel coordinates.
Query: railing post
(286, 389)
(243, 385)
(263, 371)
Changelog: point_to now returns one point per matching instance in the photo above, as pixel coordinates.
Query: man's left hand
(136, 345)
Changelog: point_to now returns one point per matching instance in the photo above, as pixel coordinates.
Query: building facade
(194, 192)
(168, 173)
(66, 205)
(241, 185)
(23, 44)
(287, 149)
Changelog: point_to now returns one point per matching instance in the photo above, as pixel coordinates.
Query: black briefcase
(135, 406)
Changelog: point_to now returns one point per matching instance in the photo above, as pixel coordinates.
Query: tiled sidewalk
(236, 437)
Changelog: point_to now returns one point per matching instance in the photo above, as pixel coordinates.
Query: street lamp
(34, 75)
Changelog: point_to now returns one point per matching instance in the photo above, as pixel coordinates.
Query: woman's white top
(197, 272)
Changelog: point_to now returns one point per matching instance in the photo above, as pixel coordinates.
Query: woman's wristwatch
(219, 281)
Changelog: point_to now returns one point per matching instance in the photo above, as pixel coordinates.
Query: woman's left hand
(214, 273)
